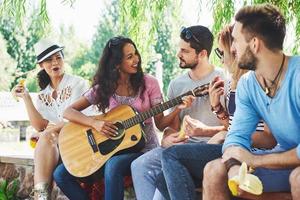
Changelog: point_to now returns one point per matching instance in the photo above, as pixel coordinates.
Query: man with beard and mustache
(194, 49)
(270, 92)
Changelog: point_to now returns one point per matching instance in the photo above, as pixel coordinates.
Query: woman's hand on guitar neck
(106, 128)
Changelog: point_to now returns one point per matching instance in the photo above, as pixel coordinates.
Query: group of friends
(250, 116)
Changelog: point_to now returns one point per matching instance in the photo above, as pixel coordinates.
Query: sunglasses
(219, 53)
(187, 34)
(115, 41)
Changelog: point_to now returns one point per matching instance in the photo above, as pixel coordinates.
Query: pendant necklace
(274, 82)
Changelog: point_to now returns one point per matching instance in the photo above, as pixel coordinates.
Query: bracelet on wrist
(225, 116)
(231, 162)
(217, 109)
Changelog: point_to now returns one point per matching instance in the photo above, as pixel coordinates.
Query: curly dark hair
(105, 81)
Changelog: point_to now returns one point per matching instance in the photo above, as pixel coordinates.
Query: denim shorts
(273, 180)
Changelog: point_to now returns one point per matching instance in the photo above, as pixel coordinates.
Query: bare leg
(46, 157)
(295, 182)
(215, 181)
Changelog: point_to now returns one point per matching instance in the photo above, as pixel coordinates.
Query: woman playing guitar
(118, 80)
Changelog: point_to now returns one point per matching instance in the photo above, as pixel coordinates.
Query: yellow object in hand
(21, 83)
(182, 133)
(245, 181)
(33, 142)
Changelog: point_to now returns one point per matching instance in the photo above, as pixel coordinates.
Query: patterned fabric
(230, 98)
(69, 90)
(141, 102)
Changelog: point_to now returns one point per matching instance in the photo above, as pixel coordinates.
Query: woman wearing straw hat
(58, 91)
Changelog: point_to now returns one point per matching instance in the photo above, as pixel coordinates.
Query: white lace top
(69, 90)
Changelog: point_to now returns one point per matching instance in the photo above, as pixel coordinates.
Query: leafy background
(153, 25)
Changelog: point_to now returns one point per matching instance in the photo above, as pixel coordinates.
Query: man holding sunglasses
(200, 124)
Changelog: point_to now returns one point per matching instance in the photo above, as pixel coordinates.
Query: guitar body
(84, 150)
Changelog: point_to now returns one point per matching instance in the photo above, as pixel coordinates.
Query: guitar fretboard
(154, 111)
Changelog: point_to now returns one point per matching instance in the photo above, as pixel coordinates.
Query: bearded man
(271, 92)
(194, 49)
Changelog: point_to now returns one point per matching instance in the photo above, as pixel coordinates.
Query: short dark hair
(264, 21)
(202, 38)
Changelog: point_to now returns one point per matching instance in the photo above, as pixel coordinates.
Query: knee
(111, 168)
(138, 167)
(141, 164)
(137, 163)
(60, 174)
(169, 157)
(47, 139)
(214, 170)
(169, 154)
(295, 177)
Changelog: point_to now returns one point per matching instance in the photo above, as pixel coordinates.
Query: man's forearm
(168, 120)
(211, 131)
(288, 159)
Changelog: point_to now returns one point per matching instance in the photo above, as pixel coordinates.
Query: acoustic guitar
(84, 150)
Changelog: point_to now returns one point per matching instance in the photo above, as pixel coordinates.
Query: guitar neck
(140, 117)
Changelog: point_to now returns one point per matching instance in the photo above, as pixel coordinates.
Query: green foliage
(19, 44)
(7, 67)
(153, 26)
(9, 189)
(165, 47)
(87, 59)
(16, 10)
(141, 19)
(133, 23)
(223, 12)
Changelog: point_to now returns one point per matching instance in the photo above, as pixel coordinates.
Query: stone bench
(21, 168)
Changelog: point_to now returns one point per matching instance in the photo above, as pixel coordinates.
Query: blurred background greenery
(153, 25)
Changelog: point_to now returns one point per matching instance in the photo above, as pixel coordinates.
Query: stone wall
(14, 167)
(22, 169)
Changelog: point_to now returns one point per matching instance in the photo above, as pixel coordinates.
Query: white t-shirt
(69, 90)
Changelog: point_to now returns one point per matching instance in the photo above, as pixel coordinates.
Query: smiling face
(130, 60)
(187, 55)
(53, 65)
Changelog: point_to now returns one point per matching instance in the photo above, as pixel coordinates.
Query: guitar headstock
(201, 90)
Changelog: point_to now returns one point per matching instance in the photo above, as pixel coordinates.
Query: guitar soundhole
(134, 138)
(121, 130)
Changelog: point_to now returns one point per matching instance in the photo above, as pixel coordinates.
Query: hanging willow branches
(141, 19)
(223, 11)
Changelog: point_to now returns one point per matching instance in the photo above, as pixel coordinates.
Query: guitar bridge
(91, 140)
